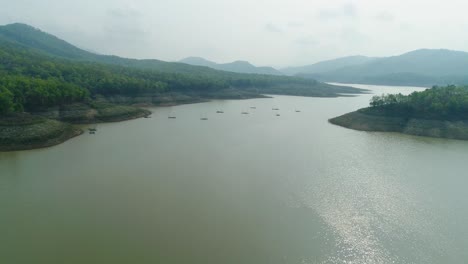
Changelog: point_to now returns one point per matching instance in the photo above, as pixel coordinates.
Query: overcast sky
(264, 32)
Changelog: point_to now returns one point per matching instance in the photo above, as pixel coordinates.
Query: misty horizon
(181, 60)
(278, 34)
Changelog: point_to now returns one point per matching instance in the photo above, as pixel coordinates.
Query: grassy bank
(24, 131)
(362, 121)
(93, 112)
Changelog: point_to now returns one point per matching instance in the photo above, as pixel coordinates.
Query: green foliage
(449, 103)
(42, 71)
(39, 81)
(29, 93)
(6, 100)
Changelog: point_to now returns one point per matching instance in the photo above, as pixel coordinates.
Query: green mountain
(329, 65)
(37, 40)
(39, 71)
(425, 67)
(236, 66)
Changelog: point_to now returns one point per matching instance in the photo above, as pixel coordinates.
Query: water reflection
(237, 189)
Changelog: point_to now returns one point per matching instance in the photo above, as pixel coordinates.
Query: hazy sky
(264, 32)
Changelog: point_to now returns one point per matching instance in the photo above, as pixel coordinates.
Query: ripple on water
(374, 217)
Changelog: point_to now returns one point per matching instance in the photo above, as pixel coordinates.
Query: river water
(253, 188)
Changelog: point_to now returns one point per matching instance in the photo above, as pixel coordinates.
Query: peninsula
(440, 112)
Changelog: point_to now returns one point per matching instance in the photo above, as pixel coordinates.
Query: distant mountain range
(51, 45)
(424, 67)
(236, 66)
(328, 65)
(34, 39)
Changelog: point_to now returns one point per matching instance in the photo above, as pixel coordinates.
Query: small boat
(204, 118)
(92, 132)
(147, 116)
(298, 111)
(171, 117)
(253, 107)
(219, 112)
(275, 109)
(92, 129)
(277, 114)
(245, 113)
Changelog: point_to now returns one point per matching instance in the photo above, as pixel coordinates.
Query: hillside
(37, 40)
(328, 65)
(236, 66)
(423, 67)
(39, 71)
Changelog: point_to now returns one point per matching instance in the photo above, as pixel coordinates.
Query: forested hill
(436, 112)
(425, 67)
(236, 66)
(439, 103)
(37, 40)
(38, 71)
(328, 65)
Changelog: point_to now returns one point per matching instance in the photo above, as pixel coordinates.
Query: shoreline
(69, 118)
(74, 132)
(409, 126)
(35, 131)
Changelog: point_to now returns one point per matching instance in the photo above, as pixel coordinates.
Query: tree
(6, 101)
(376, 101)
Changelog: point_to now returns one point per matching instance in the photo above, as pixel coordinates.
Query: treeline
(31, 80)
(19, 93)
(449, 102)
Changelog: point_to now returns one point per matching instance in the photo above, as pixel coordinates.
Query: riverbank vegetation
(21, 131)
(436, 112)
(25, 131)
(440, 103)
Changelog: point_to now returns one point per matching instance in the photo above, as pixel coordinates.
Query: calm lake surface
(256, 188)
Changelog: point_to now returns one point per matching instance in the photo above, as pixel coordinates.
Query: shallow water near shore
(238, 188)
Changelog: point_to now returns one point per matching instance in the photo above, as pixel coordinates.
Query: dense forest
(50, 72)
(30, 81)
(447, 103)
(38, 70)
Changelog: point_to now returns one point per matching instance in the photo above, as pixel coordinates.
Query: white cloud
(347, 10)
(273, 28)
(385, 16)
